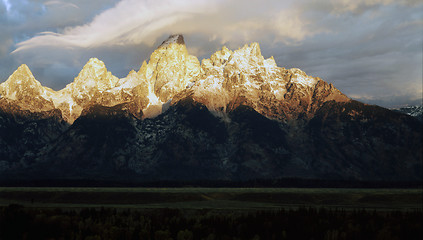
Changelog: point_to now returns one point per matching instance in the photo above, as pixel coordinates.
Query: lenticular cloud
(129, 22)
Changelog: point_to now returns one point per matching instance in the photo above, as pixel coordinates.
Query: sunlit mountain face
(234, 116)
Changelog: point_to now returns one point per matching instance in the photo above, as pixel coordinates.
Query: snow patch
(279, 93)
(270, 65)
(190, 84)
(301, 78)
(71, 106)
(12, 96)
(154, 107)
(126, 84)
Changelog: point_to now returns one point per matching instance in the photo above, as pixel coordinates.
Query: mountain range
(234, 116)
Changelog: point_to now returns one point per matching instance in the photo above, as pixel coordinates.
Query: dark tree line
(259, 183)
(17, 222)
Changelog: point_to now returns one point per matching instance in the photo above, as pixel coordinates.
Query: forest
(19, 222)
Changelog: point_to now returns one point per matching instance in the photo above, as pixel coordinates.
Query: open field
(213, 198)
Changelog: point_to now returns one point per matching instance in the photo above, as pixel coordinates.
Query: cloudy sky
(369, 49)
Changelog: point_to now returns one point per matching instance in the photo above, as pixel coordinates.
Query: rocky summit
(234, 116)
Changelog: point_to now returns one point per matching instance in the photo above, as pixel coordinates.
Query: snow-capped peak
(94, 69)
(22, 75)
(95, 75)
(22, 87)
(95, 65)
(22, 81)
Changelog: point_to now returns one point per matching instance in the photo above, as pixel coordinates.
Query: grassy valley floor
(214, 198)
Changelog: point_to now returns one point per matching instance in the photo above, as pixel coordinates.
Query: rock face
(235, 116)
(244, 77)
(24, 133)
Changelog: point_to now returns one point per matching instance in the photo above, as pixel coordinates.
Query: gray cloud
(369, 49)
(374, 54)
(25, 19)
